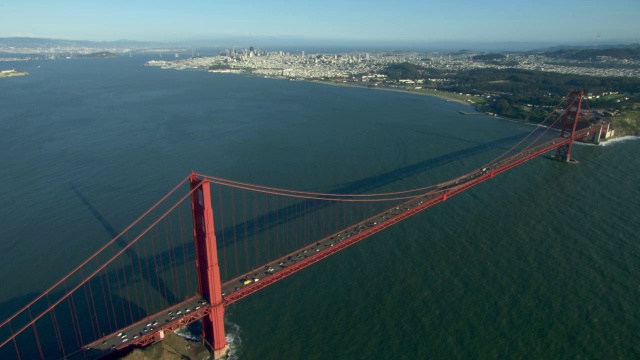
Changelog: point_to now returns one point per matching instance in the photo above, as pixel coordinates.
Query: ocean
(540, 262)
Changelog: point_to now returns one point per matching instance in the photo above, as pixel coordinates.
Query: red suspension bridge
(172, 267)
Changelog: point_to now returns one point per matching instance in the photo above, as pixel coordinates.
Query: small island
(101, 54)
(12, 73)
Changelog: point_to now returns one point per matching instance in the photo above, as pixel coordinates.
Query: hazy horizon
(302, 43)
(374, 23)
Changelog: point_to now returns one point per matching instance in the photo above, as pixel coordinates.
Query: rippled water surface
(540, 262)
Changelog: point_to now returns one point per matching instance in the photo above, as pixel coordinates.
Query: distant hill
(43, 43)
(101, 54)
(630, 52)
(586, 47)
(403, 71)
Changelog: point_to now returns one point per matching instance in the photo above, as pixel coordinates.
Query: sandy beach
(461, 102)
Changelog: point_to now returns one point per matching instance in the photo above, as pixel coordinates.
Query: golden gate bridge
(173, 266)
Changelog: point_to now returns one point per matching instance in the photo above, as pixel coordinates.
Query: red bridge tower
(569, 123)
(208, 270)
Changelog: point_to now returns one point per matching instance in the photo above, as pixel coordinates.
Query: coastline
(615, 138)
(622, 138)
(406, 91)
(443, 97)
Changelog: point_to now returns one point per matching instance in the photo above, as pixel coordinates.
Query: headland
(518, 87)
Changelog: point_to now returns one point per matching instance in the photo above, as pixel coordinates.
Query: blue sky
(372, 20)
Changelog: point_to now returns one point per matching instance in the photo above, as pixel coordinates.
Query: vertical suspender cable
(235, 237)
(95, 310)
(106, 304)
(275, 228)
(162, 267)
(116, 270)
(126, 286)
(15, 344)
(56, 328)
(76, 319)
(90, 312)
(246, 234)
(286, 225)
(172, 267)
(265, 220)
(151, 294)
(113, 308)
(223, 231)
(142, 284)
(187, 273)
(71, 312)
(135, 256)
(35, 332)
(256, 241)
(156, 272)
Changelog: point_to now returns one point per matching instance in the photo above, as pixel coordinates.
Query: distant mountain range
(634, 46)
(631, 52)
(27, 42)
(23, 44)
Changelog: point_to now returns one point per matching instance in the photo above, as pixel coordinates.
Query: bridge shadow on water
(362, 186)
(158, 283)
(94, 312)
(250, 227)
(52, 337)
(277, 217)
(377, 181)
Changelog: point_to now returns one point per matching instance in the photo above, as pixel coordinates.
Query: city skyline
(329, 21)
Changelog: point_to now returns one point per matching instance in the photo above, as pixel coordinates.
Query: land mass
(172, 347)
(12, 73)
(100, 54)
(520, 86)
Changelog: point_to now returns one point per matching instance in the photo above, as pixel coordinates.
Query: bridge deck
(149, 330)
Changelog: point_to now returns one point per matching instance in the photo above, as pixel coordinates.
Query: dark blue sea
(542, 262)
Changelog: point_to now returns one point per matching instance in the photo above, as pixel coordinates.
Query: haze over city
(356, 22)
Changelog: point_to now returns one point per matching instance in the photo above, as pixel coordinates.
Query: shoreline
(406, 91)
(443, 97)
(614, 138)
(622, 138)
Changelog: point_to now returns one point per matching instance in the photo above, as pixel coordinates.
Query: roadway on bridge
(149, 330)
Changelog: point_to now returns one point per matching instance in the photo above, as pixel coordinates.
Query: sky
(561, 21)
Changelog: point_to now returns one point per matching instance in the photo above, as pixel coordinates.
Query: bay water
(540, 262)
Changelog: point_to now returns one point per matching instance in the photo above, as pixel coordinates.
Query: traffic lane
(148, 326)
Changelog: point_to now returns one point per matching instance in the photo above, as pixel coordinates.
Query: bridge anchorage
(172, 267)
